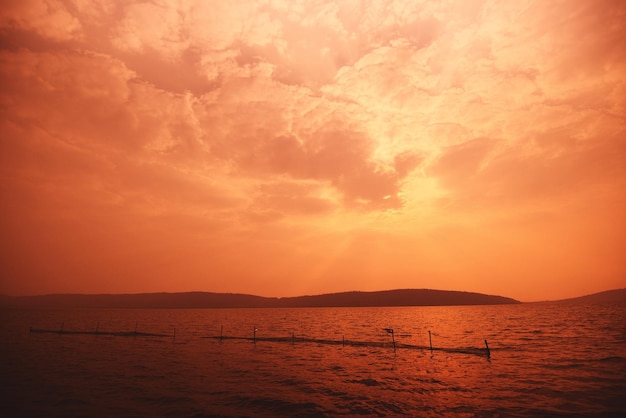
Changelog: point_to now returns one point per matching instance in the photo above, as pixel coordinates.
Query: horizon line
(299, 296)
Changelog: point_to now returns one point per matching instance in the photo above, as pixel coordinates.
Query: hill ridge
(199, 299)
(607, 296)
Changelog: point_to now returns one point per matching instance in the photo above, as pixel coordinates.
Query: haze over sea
(547, 359)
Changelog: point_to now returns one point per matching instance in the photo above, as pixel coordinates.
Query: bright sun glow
(283, 148)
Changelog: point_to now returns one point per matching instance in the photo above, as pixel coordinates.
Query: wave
(611, 359)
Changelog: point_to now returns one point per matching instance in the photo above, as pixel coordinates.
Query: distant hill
(400, 297)
(609, 296)
(139, 300)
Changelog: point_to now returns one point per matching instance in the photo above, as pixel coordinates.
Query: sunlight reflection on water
(545, 359)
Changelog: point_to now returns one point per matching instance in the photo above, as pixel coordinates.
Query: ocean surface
(544, 359)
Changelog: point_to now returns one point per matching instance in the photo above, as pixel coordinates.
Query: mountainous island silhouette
(397, 297)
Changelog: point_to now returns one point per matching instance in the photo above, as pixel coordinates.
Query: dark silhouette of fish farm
(292, 339)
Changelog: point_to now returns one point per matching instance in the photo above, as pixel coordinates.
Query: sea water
(544, 359)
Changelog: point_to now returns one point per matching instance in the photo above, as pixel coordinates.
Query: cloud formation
(281, 147)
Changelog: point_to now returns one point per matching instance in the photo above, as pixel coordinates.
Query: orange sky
(296, 147)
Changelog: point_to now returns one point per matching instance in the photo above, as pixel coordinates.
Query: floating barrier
(134, 333)
(281, 339)
(354, 343)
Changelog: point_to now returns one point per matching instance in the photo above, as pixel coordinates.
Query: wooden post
(488, 351)
(430, 339)
(254, 336)
(393, 338)
(221, 330)
(293, 338)
(343, 340)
